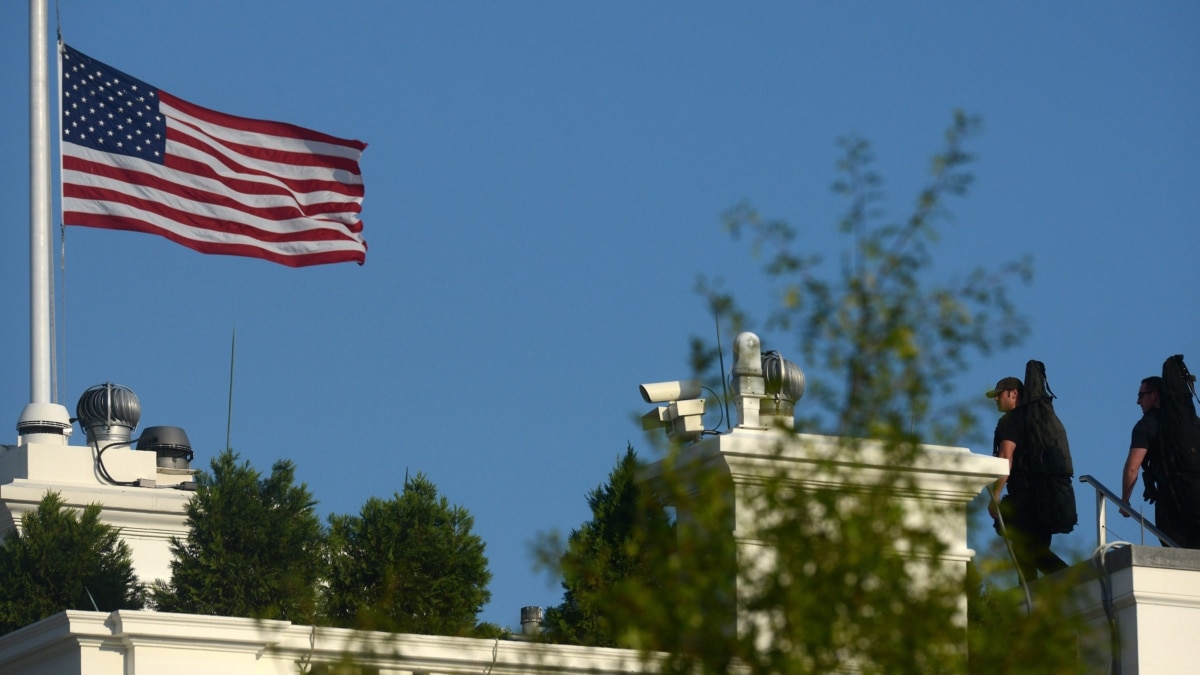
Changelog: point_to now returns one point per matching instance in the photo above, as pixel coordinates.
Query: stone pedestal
(934, 488)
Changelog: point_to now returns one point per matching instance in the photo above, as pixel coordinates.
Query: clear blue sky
(544, 183)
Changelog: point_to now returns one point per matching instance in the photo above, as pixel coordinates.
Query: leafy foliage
(254, 546)
(63, 560)
(827, 583)
(611, 550)
(679, 596)
(881, 339)
(1007, 635)
(409, 564)
(828, 576)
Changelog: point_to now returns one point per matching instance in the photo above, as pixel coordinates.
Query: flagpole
(42, 421)
(39, 206)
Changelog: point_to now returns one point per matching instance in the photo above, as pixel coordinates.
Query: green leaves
(880, 334)
(408, 564)
(255, 546)
(825, 574)
(64, 560)
(609, 560)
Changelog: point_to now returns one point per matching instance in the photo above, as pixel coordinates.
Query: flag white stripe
(207, 236)
(188, 180)
(292, 226)
(293, 171)
(255, 138)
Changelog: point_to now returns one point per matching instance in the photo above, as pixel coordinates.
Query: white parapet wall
(1150, 598)
(128, 642)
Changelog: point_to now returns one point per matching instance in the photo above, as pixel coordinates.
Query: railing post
(1103, 493)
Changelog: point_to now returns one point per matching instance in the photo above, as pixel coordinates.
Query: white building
(1149, 596)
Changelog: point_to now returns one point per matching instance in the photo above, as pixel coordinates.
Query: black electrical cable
(720, 409)
(104, 470)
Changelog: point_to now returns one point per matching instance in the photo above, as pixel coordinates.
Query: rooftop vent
(785, 379)
(108, 413)
(47, 423)
(784, 383)
(531, 620)
(170, 444)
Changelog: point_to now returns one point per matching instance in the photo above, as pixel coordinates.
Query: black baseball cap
(1004, 385)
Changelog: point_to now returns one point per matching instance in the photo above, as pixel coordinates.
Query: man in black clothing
(1030, 540)
(1145, 436)
(1145, 448)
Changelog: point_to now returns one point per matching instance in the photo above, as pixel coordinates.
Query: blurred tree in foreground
(1007, 635)
(881, 337)
(409, 564)
(254, 548)
(63, 560)
(838, 576)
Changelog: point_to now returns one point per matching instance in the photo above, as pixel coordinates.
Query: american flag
(137, 158)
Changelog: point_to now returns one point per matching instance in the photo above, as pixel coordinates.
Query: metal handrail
(1103, 493)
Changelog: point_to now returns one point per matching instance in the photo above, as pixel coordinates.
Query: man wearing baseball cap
(1030, 541)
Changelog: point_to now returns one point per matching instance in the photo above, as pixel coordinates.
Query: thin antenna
(53, 337)
(58, 296)
(721, 358)
(229, 414)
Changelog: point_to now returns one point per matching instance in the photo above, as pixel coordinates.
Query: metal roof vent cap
(47, 423)
(108, 413)
(170, 444)
(531, 620)
(784, 385)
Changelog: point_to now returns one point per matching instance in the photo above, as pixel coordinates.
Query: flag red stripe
(319, 257)
(295, 210)
(200, 221)
(178, 129)
(257, 126)
(288, 184)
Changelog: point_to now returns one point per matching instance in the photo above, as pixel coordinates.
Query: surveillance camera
(655, 419)
(662, 392)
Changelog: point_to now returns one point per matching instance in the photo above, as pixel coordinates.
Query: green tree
(254, 548)
(409, 564)
(612, 549)
(63, 560)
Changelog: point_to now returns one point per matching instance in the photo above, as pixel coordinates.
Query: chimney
(531, 620)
